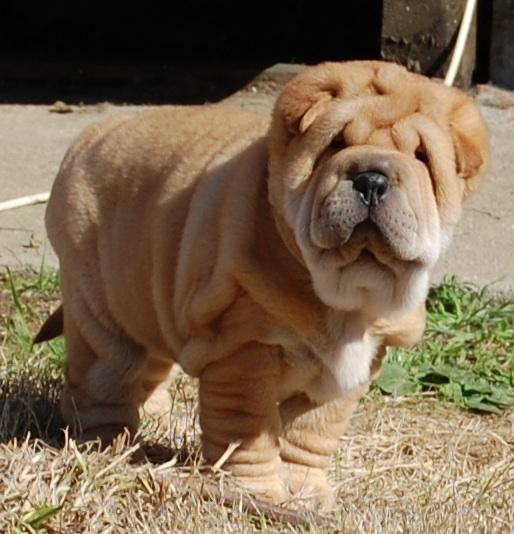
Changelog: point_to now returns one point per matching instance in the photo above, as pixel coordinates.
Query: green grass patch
(466, 357)
(30, 377)
(467, 353)
(25, 300)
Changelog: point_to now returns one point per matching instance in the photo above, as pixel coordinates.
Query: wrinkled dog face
(369, 167)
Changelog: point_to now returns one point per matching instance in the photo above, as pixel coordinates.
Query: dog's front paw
(267, 488)
(308, 485)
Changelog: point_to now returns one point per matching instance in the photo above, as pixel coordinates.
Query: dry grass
(406, 465)
(414, 466)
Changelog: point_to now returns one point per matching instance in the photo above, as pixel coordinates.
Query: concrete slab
(483, 246)
(33, 140)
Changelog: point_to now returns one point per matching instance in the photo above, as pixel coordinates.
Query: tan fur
(203, 236)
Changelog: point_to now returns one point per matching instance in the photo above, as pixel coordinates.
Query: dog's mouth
(366, 255)
(367, 244)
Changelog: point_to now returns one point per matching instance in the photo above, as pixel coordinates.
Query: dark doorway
(186, 52)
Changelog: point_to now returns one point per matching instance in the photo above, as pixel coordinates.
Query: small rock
(60, 107)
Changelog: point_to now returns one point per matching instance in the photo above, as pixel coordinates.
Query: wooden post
(421, 34)
(502, 44)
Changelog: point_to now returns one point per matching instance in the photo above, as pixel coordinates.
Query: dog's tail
(52, 327)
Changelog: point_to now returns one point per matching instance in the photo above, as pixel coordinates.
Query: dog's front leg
(310, 438)
(238, 404)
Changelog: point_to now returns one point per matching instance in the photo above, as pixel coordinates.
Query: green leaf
(453, 392)
(502, 397)
(477, 403)
(476, 386)
(396, 380)
(36, 518)
(444, 373)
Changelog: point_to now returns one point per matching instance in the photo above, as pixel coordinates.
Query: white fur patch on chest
(346, 361)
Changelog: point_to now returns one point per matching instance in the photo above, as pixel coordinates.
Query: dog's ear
(307, 96)
(299, 114)
(313, 112)
(471, 144)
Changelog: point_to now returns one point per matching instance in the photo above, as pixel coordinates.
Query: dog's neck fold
(287, 236)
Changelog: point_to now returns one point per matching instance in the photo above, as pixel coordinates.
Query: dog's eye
(338, 143)
(421, 155)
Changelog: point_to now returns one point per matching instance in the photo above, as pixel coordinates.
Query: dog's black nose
(371, 186)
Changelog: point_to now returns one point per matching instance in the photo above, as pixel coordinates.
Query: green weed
(25, 300)
(467, 355)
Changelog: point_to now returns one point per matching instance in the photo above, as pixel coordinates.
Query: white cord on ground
(29, 200)
(458, 51)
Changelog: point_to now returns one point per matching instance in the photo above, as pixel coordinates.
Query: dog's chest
(340, 363)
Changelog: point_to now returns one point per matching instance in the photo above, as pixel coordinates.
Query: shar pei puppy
(274, 258)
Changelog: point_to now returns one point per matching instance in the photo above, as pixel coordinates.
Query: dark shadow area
(29, 405)
(29, 408)
(158, 454)
(184, 52)
(484, 31)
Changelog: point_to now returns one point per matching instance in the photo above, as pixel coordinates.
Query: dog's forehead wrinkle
(358, 117)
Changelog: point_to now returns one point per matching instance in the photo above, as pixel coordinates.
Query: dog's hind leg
(108, 377)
